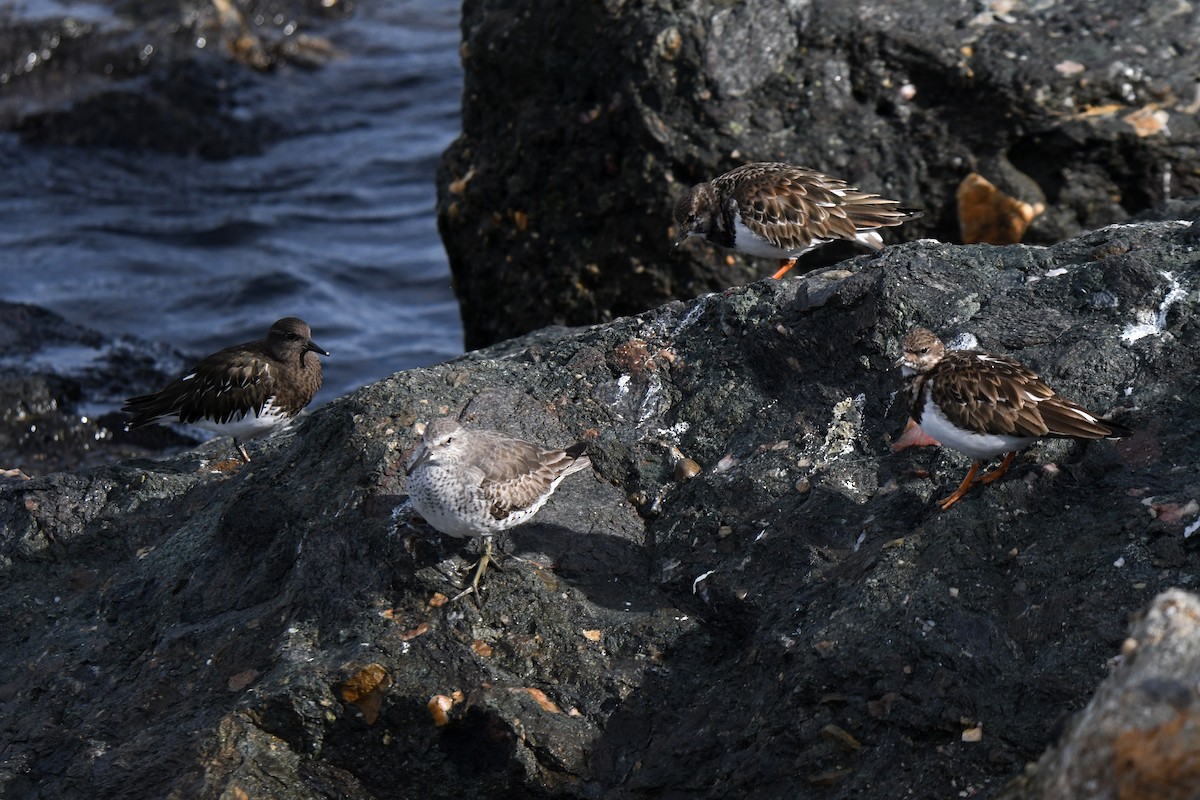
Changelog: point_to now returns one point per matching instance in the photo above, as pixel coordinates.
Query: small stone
(841, 737)
(439, 708)
(686, 469)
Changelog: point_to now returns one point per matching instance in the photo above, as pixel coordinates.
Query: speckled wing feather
(221, 387)
(997, 395)
(791, 207)
(518, 474)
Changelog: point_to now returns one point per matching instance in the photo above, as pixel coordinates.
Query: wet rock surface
(581, 128)
(795, 619)
(53, 374)
(178, 76)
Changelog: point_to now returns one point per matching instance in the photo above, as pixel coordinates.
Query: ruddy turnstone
(244, 391)
(782, 211)
(983, 405)
(475, 483)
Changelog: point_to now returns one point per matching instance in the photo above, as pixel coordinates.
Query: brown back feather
(996, 396)
(790, 206)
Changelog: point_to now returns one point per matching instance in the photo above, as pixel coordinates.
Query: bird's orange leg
(962, 487)
(913, 436)
(999, 471)
(784, 265)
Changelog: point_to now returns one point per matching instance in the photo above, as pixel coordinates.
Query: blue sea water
(334, 224)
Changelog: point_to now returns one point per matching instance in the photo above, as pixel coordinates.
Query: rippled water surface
(334, 224)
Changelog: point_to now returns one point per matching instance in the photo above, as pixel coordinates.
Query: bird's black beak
(315, 348)
(419, 457)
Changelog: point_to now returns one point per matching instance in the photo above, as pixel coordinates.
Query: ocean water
(334, 224)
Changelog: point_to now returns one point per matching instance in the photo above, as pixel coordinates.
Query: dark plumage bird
(244, 391)
(983, 405)
(782, 211)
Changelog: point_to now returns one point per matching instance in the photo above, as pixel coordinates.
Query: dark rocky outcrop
(797, 620)
(1140, 735)
(180, 76)
(583, 123)
(53, 373)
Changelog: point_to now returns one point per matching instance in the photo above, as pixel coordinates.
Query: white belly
(250, 425)
(753, 245)
(976, 446)
(445, 501)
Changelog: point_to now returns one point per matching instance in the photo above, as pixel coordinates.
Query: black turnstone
(983, 405)
(475, 483)
(244, 391)
(782, 211)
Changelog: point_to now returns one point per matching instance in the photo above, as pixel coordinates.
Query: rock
(53, 372)
(284, 630)
(582, 126)
(181, 76)
(1140, 734)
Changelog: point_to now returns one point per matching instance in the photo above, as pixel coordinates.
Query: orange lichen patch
(365, 689)
(634, 357)
(439, 708)
(438, 600)
(913, 436)
(592, 634)
(521, 219)
(1161, 763)
(1171, 513)
(415, 632)
(1099, 111)
(542, 700)
(482, 648)
(1148, 120)
(459, 186)
(988, 215)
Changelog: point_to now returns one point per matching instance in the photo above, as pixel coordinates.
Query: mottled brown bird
(782, 211)
(983, 405)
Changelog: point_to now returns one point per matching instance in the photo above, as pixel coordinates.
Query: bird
(781, 211)
(478, 482)
(985, 405)
(244, 391)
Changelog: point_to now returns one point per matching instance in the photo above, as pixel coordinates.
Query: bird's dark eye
(924, 351)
